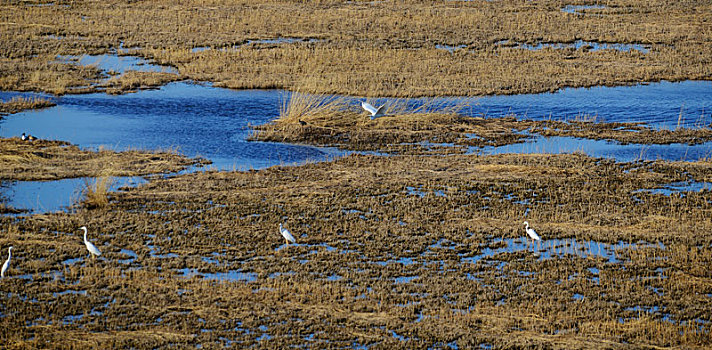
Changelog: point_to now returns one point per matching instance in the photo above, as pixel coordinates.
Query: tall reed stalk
(96, 191)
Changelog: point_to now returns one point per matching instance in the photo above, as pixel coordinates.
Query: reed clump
(312, 108)
(19, 104)
(96, 191)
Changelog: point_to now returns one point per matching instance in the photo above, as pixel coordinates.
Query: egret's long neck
(85, 235)
(9, 253)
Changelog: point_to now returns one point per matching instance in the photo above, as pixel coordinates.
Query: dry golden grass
(436, 127)
(96, 191)
(362, 48)
(132, 81)
(393, 252)
(332, 120)
(43, 160)
(314, 108)
(42, 73)
(18, 104)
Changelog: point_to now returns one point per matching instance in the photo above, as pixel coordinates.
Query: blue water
(118, 64)
(659, 105)
(605, 149)
(200, 120)
(49, 196)
(555, 248)
(578, 9)
(594, 46)
(195, 119)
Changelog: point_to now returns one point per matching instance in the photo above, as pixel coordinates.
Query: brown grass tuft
(19, 104)
(96, 191)
(314, 108)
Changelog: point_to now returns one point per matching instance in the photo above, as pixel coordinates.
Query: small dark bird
(28, 137)
(302, 123)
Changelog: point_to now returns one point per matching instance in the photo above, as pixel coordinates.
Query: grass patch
(330, 120)
(19, 104)
(96, 191)
(132, 81)
(432, 126)
(44, 160)
(431, 249)
(359, 48)
(312, 108)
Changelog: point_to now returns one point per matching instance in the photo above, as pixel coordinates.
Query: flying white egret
(531, 232)
(286, 234)
(375, 113)
(90, 247)
(7, 263)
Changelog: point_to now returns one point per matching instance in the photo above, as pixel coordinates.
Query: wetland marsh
(408, 227)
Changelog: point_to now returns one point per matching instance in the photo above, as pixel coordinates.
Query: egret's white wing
(381, 111)
(4, 267)
(369, 108)
(92, 248)
(533, 235)
(287, 235)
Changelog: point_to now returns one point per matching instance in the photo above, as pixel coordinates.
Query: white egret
(90, 247)
(7, 263)
(531, 232)
(286, 234)
(375, 113)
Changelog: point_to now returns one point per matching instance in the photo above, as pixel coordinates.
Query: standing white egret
(90, 247)
(375, 113)
(7, 263)
(286, 234)
(531, 232)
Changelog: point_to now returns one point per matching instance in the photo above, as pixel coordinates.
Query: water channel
(200, 120)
